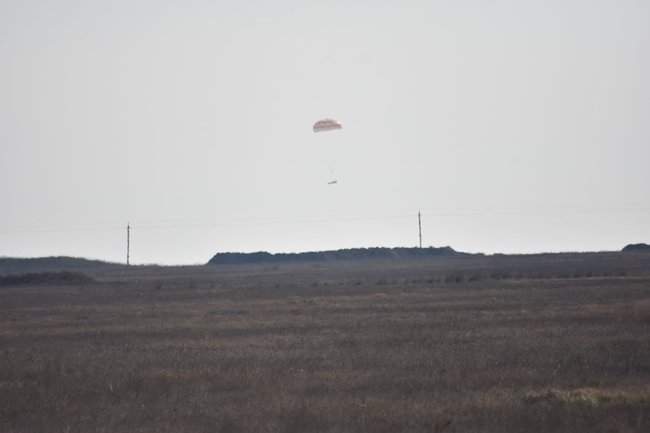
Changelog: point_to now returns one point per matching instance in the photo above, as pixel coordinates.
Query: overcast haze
(515, 126)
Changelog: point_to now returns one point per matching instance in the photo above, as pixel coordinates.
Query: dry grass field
(549, 343)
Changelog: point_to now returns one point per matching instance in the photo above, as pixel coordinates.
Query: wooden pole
(128, 243)
(420, 227)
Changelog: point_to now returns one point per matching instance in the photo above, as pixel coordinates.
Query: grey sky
(516, 126)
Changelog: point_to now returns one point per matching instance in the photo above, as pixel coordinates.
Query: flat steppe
(544, 343)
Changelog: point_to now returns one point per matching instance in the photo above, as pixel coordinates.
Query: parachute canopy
(327, 125)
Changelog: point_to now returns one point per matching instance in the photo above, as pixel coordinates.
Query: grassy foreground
(374, 347)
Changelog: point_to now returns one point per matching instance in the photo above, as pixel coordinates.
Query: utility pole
(128, 242)
(420, 227)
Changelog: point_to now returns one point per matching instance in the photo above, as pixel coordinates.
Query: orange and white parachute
(326, 125)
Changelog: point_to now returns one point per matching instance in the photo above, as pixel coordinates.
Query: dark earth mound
(633, 248)
(336, 255)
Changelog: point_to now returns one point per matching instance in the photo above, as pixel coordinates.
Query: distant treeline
(335, 255)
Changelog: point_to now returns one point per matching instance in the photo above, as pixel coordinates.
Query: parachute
(327, 125)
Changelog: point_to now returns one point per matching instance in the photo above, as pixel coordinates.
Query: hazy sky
(515, 126)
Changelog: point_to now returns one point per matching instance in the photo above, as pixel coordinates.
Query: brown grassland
(547, 343)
